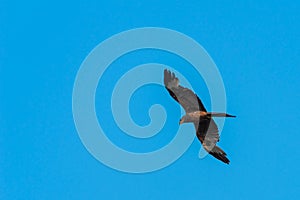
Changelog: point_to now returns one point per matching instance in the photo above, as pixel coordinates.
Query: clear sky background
(254, 45)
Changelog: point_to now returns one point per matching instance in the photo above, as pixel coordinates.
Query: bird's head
(186, 119)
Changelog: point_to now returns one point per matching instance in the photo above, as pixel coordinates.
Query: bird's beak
(181, 121)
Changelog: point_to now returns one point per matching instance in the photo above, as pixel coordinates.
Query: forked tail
(215, 114)
(218, 153)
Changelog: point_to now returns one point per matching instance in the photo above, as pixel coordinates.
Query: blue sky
(254, 45)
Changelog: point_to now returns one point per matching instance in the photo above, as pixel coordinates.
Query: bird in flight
(206, 129)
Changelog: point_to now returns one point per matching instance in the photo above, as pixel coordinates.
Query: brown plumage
(206, 129)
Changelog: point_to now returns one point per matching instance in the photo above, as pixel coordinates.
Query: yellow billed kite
(206, 129)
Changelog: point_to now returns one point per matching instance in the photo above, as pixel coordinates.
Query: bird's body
(206, 129)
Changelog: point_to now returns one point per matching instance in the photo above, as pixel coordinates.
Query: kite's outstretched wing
(184, 96)
(208, 134)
